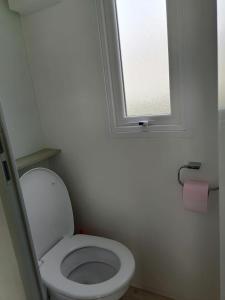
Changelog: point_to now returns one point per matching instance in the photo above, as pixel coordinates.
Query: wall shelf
(36, 157)
(25, 7)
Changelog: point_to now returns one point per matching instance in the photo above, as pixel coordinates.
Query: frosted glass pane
(144, 53)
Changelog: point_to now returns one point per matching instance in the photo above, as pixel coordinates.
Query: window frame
(113, 76)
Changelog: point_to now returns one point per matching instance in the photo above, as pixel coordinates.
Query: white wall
(221, 69)
(17, 99)
(127, 188)
(11, 286)
(16, 91)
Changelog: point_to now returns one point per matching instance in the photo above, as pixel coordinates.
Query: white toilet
(71, 266)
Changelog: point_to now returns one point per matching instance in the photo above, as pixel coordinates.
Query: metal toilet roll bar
(193, 166)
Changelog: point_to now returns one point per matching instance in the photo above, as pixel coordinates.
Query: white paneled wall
(23, 123)
(16, 91)
(126, 188)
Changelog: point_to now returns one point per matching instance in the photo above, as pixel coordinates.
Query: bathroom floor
(138, 294)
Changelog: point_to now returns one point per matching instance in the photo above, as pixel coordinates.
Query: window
(140, 66)
(142, 29)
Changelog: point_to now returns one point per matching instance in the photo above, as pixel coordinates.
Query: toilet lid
(48, 208)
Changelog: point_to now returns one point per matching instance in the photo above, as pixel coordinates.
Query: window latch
(143, 124)
(146, 123)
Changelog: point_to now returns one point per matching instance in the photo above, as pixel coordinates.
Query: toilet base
(116, 296)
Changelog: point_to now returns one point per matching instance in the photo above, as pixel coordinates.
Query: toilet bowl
(71, 266)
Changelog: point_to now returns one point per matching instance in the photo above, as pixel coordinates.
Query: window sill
(153, 131)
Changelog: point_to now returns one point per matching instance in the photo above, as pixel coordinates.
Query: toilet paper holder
(193, 166)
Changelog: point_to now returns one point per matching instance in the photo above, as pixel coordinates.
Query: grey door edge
(13, 204)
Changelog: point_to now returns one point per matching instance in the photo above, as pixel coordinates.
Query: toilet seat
(101, 268)
(51, 272)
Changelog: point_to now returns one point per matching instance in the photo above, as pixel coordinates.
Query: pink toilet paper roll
(195, 196)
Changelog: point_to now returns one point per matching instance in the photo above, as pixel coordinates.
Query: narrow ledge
(36, 157)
